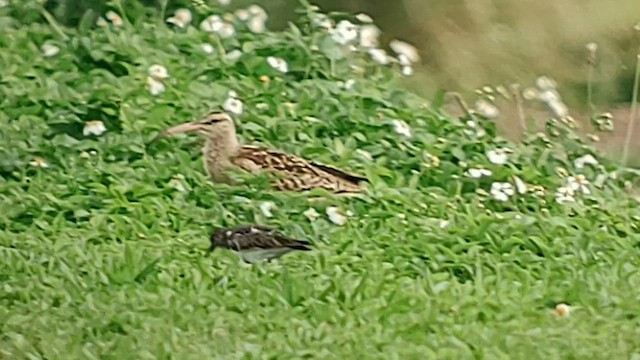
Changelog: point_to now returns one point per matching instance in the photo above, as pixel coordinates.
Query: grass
(103, 256)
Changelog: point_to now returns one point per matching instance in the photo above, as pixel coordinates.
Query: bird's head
(214, 125)
(217, 236)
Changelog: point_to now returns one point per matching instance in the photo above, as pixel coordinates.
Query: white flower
(520, 185)
(94, 127)
(348, 85)
(401, 127)
(380, 56)
(578, 183)
(278, 64)
(242, 14)
(501, 191)
(256, 25)
(365, 154)
(562, 310)
(404, 60)
(530, 94)
(266, 208)
(588, 159)
(336, 215)
(226, 30)
(158, 72)
(49, 50)
(257, 11)
(564, 195)
(364, 18)
(224, 2)
(102, 22)
(322, 21)
(545, 83)
(155, 87)
(212, 23)
(405, 49)
(233, 105)
(478, 173)
(443, 224)
(549, 96)
(233, 55)
(115, 19)
(311, 214)
(487, 109)
(497, 156)
(369, 36)
(208, 48)
(345, 32)
(181, 18)
(176, 182)
(558, 108)
(38, 162)
(407, 70)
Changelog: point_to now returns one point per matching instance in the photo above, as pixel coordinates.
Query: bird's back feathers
(248, 237)
(295, 173)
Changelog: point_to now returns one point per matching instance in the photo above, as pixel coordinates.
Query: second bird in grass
(256, 243)
(223, 151)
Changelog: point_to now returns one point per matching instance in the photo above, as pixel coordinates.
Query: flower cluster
(233, 104)
(155, 79)
(575, 186)
(547, 93)
(364, 36)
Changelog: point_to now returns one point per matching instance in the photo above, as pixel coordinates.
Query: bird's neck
(217, 152)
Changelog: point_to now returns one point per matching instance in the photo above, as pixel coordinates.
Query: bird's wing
(296, 173)
(257, 236)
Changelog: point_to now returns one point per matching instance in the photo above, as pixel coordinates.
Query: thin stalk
(632, 117)
(515, 90)
(53, 23)
(163, 10)
(590, 90)
(592, 107)
(592, 51)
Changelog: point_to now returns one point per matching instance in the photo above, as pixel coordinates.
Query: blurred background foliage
(468, 44)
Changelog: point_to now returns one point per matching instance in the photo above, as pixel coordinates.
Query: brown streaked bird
(256, 243)
(223, 151)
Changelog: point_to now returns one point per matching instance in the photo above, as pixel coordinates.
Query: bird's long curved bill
(178, 129)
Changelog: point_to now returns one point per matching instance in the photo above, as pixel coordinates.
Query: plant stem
(632, 117)
(54, 24)
(163, 10)
(590, 89)
(515, 90)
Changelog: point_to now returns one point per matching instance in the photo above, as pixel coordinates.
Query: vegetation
(463, 247)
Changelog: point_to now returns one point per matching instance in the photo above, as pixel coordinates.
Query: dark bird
(255, 243)
(222, 152)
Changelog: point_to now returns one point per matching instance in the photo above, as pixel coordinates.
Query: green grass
(103, 258)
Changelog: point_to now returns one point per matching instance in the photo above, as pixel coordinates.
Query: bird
(255, 243)
(223, 152)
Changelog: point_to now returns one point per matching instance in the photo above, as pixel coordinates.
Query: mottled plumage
(256, 242)
(223, 152)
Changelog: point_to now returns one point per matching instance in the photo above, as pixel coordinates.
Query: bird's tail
(300, 245)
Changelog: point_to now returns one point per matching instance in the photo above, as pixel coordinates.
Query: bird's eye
(211, 120)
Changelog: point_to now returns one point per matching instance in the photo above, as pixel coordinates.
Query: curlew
(223, 152)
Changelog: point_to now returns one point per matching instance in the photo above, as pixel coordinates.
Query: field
(463, 246)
